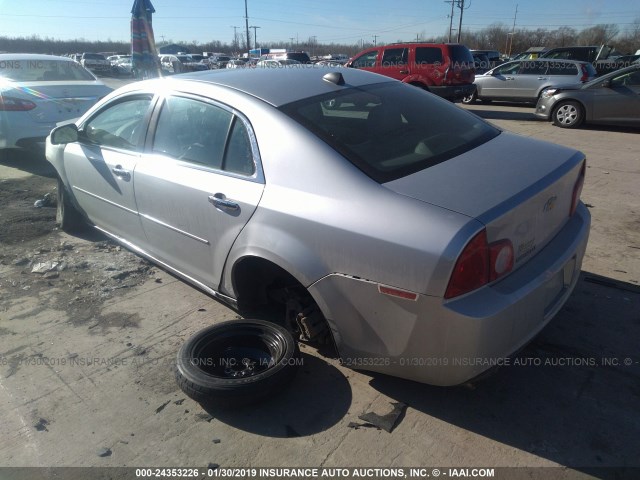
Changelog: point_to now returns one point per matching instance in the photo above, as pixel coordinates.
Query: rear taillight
(577, 189)
(480, 263)
(12, 104)
(585, 73)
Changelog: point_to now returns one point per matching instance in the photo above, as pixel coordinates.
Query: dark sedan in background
(612, 99)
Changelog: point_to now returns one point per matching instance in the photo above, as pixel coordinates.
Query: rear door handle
(508, 78)
(404, 72)
(542, 78)
(220, 201)
(121, 172)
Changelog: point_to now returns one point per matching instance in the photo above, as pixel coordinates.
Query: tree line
(494, 37)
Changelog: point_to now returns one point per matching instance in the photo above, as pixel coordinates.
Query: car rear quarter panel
(320, 215)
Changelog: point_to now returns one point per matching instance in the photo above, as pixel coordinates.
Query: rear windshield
(391, 130)
(460, 54)
(43, 71)
(92, 56)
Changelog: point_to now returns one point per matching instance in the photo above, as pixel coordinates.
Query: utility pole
(235, 37)
(313, 43)
(375, 40)
(246, 24)
(461, 7)
(513, 30)
(452, 2)
(255, 36)
(292, 39)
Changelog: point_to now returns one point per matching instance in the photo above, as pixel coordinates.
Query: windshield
(43, 71)
(391, 130)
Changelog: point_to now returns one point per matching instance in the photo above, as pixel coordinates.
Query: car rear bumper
(14, 132)
(447, 343)
(453, 92)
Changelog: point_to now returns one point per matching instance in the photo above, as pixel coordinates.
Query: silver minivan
(524, 80)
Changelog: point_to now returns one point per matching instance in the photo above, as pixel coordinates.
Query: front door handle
(508, 78)
(404, 72)
(121, 172)
(542, 78)
(220, 201)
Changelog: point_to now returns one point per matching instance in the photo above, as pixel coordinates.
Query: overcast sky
(339, 21)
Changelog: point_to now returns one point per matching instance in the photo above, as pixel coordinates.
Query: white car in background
(95, 62)
(38, 91)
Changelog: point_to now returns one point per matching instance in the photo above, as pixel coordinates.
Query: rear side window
(562, 68)
(391, 130)
(394, 57)
(429, 55)
(529, 67)
(205, 134)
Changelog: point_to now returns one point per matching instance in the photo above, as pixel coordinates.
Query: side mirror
(64, 134)
(606, 84)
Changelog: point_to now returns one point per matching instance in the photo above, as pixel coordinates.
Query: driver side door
(100, 165)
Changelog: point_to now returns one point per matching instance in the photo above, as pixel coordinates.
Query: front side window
(202, 133)
(120, 125)
(629, 79)
(390, 130)
(367, 60)
(507, 69)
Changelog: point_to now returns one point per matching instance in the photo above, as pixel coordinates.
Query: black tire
(568, 114)
(469, 99)
(67, 216)
(237, 362)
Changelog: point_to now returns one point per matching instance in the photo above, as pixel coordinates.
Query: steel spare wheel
(237, 362)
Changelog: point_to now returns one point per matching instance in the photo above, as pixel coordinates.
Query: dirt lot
(89, 332)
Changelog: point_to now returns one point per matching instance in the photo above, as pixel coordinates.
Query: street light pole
(255, 36)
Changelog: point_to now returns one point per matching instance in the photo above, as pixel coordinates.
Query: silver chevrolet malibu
(422, 241)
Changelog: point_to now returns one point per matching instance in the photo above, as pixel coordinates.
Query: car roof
(276, 86)
(32, 56)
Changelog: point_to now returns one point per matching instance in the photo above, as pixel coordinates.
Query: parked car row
(524, 80)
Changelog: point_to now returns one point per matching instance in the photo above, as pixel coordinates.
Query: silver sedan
(613, 99)
(424, 242)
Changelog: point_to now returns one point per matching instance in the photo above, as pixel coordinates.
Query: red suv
(446, 69)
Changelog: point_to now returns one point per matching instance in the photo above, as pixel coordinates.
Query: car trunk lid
(520, 189)
(58, 101)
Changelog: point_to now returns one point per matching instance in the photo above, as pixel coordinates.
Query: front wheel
(67, 216)
(568, 114)
(237, 362)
